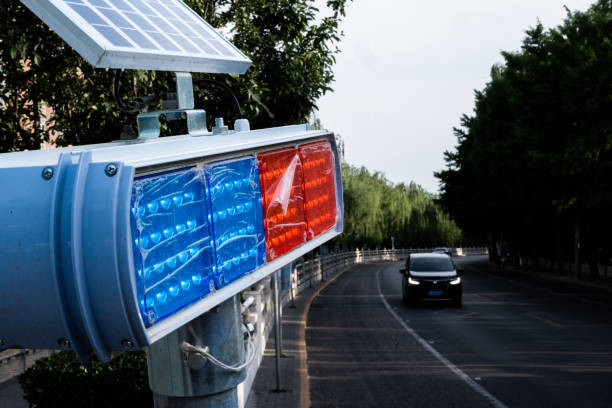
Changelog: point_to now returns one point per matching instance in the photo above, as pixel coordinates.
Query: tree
(376, 210)
(531, 163)
(292, 52)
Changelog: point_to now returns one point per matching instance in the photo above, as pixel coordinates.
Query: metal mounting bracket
(182, 106)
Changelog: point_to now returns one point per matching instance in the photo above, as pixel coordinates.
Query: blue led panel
(173, 253)
(237, 218)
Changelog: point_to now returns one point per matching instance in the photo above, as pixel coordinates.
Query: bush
(62, 381)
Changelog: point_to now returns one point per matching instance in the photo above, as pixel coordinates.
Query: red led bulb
(280, 172)
(319, 187)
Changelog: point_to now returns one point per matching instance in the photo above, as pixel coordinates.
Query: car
(443, 250)
(431, 278)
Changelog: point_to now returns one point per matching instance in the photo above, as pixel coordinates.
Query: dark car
(443, 250)
(431, 277)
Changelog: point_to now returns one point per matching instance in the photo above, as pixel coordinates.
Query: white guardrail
(261, 311)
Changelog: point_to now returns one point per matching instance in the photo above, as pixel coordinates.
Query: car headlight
(413, 281)
(456, 281)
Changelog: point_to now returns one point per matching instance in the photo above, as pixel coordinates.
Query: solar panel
(163, 35)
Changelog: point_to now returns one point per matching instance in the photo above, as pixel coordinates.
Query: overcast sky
(408, 70)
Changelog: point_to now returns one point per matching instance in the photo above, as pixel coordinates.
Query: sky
(408, 71)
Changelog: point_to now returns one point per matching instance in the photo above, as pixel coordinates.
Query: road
(514, 343)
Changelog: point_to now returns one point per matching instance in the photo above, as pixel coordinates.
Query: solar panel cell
(121, 5)
(113, 36)
(115, 18)
(87, 13)
(99, 3)
(164, 42)
(140, 21)
(140, 39)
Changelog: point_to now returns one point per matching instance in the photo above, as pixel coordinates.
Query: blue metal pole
(178, 383)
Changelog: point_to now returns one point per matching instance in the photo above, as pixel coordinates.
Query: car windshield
(431, 264)
(440, 250)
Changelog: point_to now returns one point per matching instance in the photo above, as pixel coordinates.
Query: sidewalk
(11, 395)
(294, 386)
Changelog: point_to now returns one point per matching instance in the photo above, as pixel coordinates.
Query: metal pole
(293, 276)
(277, 331)
(191, 382)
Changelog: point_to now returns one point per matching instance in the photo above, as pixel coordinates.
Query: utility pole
(189, 380)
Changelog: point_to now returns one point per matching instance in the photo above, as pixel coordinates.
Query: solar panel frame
(90, 41)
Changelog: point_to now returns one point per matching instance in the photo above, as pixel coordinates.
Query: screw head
(111, 170)
(47, 173)
(64, 343)
(127, 344)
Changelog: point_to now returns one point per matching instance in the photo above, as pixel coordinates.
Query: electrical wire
(139, 104)
(136, 106)
(250, 351)
(227, 89)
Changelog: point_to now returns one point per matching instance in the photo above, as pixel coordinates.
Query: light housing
(83, 226)
(455, 281)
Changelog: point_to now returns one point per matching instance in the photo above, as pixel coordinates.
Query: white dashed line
(463, 376)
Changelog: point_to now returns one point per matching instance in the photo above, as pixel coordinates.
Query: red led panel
(280, 172)
(319, 187)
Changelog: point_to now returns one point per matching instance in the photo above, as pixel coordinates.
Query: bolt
(219, 122)
(47, 173)
(197, 361)
(64, 343)
(127, 345)
(111, 170)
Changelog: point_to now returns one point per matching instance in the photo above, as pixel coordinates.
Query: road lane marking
(458, 372)
(536, 317)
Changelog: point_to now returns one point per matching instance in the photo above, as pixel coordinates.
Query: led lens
(235, 205)
(172, 242)
(281, 178)
(319, 187)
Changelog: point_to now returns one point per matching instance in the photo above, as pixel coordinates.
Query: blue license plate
(435, 293)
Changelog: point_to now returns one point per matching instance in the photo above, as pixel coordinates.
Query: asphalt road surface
(514, 343)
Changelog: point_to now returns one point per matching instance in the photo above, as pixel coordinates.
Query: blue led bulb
(237, 218)
(171, 235)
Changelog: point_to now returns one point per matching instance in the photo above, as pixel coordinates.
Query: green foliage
(376, 210)
(292, 53)
(62, 381)
(533, 163)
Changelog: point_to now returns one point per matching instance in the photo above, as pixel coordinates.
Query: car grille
(434, 284)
